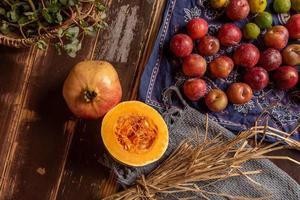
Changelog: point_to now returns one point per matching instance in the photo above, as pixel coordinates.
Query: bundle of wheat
(209, 161)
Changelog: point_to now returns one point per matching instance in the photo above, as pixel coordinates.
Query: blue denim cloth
(282, 109)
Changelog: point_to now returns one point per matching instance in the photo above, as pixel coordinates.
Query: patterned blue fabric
(282, 109)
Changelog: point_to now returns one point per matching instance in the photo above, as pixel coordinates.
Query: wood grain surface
(46, 153)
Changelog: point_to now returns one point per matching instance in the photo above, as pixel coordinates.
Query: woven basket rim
(27, 42)
(18, 39)
(22, 42)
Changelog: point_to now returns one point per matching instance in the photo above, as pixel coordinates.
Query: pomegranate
(91, 89)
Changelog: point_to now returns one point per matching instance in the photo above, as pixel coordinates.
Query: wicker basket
(19, 42)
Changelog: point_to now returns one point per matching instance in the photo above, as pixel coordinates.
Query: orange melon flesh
(134, 133)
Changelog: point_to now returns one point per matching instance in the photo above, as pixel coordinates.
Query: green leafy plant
(66, 20)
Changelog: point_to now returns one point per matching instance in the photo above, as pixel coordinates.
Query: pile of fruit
(276, 61)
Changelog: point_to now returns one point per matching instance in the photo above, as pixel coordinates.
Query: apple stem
(296, 51)
(89, 95)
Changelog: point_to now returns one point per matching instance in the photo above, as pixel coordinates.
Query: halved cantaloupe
(134, 133)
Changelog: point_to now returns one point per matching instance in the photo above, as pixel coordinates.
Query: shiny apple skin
(194, 65)
(237, 9)
(208, 45)
(246, 55)
(293, 26)
(270, 59)
(216, 100)
(221, 67)
(276, 37)
(239, 93)
(286, 77)
(229, 34)
(181, 45)
(291, 55)
(194, 89)
(197, 28)
(257, 78)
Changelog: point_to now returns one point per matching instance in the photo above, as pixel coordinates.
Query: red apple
(181, 45)
(257, 78)
(270, 59)
(221, 67)
(208, 45)
(246, 55)
(229, 34)
(293, 26)
(285, 77)
(194, 65)
(194, 89)
(197, 28)
(291, 55)
(237, 9)
(277, 37)
(239, 93)
(216, 100)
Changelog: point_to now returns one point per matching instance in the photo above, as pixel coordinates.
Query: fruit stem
(89, 95)
(31, 5)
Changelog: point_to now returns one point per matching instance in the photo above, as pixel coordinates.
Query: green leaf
(4, 27)
(30, 32)
(13, 16)
(103, 16)
(90, 31)
(25, 7)
(31, 15)
(100, 7)
(54, 1)
(2, 11)
(59, 18)
(72, 32)
(72, 48)
(53, 8)
(23, 20)
(63, 2)
(60, 33)
(22, 7)
(47, 16)
(72, 2)
(101, 25)
(41, 44)
(83, 23)
(58, 47)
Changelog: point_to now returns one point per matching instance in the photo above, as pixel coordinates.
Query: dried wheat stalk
(211, 160)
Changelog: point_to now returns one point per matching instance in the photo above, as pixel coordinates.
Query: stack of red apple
(257, 65)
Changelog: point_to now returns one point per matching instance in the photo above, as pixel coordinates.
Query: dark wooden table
(46, 153)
